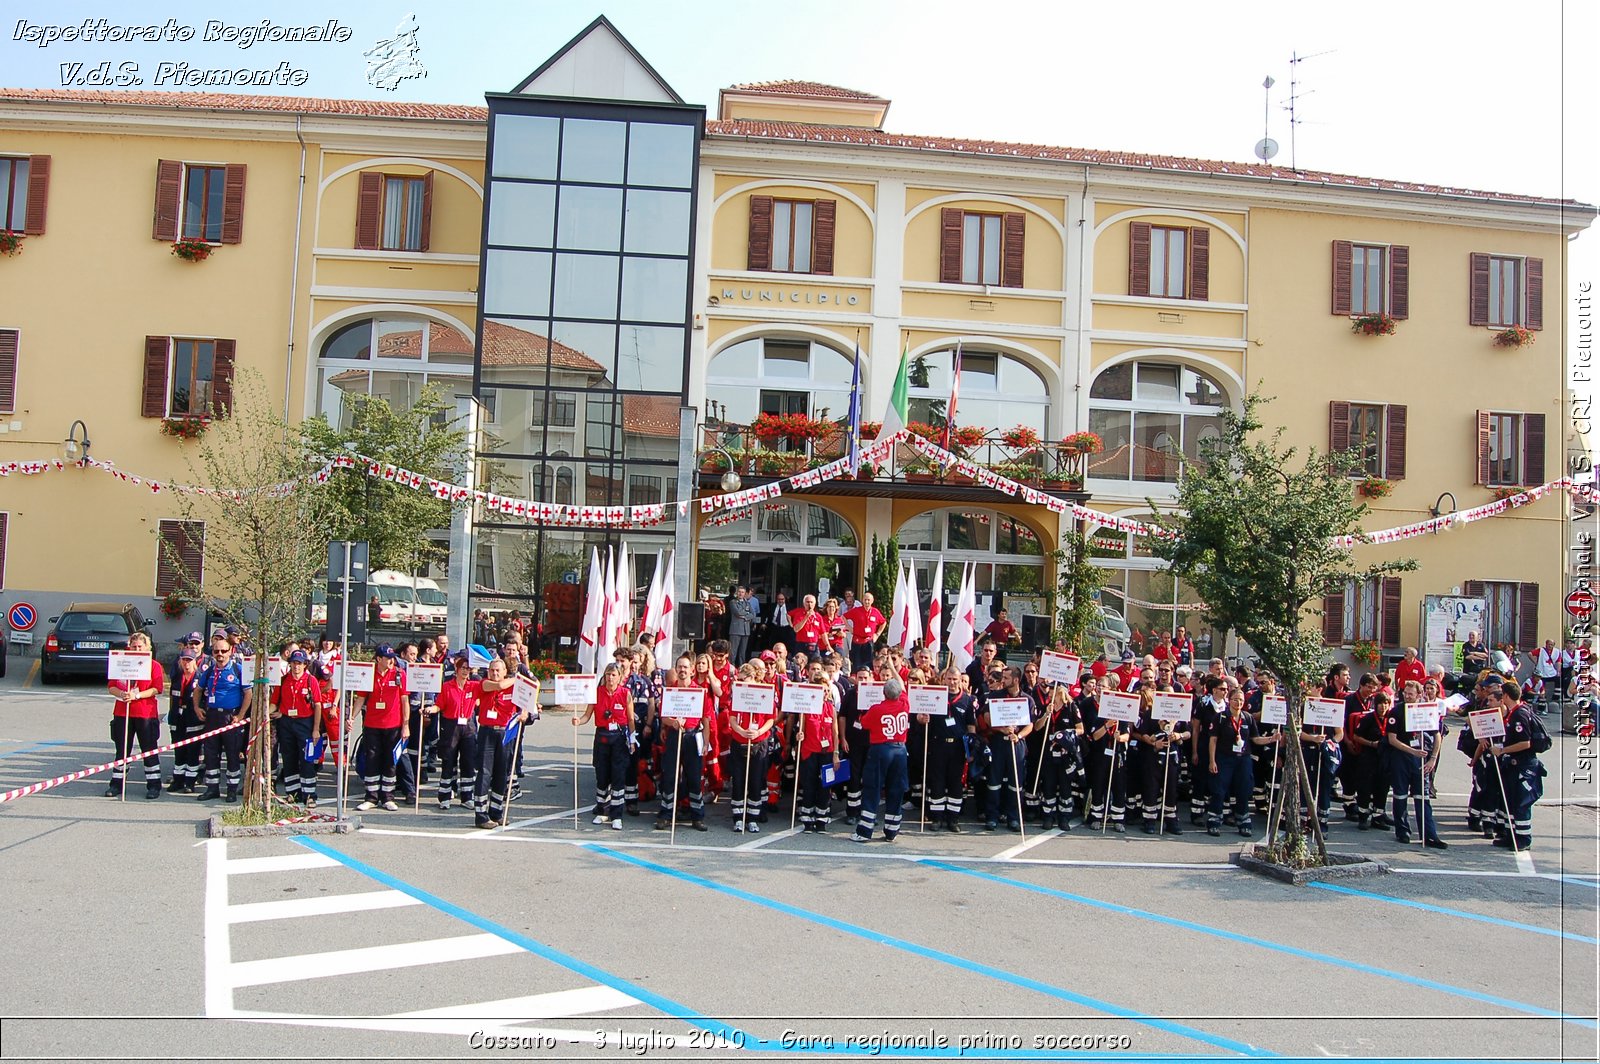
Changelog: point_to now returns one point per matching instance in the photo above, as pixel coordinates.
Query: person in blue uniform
(1230, 763)
(1105, 753)
(1158, 776)
(222, 698)
(1520, 768)
(947, 751)
(1406, 753)
(1061, 758)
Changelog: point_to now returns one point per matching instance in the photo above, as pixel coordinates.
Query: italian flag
(896, 416)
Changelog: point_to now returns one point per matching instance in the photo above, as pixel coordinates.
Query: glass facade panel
(590, 218)
(654, 289)
(525, 146)
(650, 358)
(524, 214)
(660, 154)
(657, 222)
(586, 286)
(1115, 428)
(516, 282)
(592, 151)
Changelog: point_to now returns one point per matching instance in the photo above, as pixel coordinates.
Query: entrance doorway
(768, 572)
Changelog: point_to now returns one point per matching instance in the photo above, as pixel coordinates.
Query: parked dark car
(81, 637)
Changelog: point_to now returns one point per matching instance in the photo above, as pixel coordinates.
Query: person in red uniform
(612, 711)
(496, 711)
(887, 725)
(384, 724)
(749, 733)
(135, 715)
(1001, 630)
(865, 623)
(722, 668)
(457, 703)
(681, 753)
(810, 629)
(295, 706)
(1409, 670)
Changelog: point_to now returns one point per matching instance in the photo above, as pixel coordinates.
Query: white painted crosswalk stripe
(293, 908)
(551, 1006)
(369, 959)
(293, 862)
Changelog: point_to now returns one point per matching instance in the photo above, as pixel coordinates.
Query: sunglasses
(220, 653)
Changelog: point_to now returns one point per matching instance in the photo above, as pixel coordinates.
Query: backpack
(1537, 736)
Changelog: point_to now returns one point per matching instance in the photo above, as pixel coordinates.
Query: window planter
(1508, 492)
(1367, 653)
(1373, 487)
(185, 428)
(1083, 443)
(1373, 325)
(192, 249)
(1021, 437)
(174, 605)
(1515, 336)
(10, 243)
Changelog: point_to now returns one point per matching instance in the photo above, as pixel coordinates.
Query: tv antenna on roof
(1266, 147)
(1295, 60)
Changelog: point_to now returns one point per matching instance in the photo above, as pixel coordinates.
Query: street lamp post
(76, 445)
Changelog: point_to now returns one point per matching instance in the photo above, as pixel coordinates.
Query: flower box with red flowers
(174, 605)
(1515, 336)
(967, 436)
(1373, 487)
(10, 243)
(1021, 437)
(192, 249)
(185, 428)
(1373, 324)
(1083, 443)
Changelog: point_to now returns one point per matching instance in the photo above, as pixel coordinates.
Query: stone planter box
(1340, 866)
(216, 829)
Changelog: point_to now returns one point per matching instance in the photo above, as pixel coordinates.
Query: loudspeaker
(691, 620)
(1035, 631)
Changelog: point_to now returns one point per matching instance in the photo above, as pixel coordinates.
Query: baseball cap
(194, 637)
(187, 655)
(298, 656)
(1127, 655)
(767, 655)
(384, 651)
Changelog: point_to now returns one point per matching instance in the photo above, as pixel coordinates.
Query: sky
(1472, 94)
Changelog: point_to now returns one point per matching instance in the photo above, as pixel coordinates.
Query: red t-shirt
(297, 698)
(816, 733)
(865, 623)
(1410, 670)
(387, 704)
(1000, 631)
(495, 708)
(144, 708)
(888, 722)
(1164, 651)
(706, 707)
(809, 628)
(458, 701)
(612, 709)
(750, 722)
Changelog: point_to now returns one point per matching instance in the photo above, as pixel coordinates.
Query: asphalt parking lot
(420, 938)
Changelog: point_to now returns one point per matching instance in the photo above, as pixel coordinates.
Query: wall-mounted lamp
(730, 479)
(76, 445)
(1438, 510)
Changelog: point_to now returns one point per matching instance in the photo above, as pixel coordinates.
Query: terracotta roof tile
(820, 134)
(504, 345)
(229, 101)
(651, 415)
(804, 88)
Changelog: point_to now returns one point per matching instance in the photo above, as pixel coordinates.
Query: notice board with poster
(1447, 620)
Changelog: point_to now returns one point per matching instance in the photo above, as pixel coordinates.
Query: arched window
(998, 391)
(389, 357)
(773, 375)
(1140, 590)
(1009, 554)
(1148, 413)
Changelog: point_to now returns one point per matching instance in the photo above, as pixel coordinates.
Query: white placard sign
(1009, 712)
(353, 676)
(931, 699)
(1487, 724)
(868, 695)
(683, 703)
(754, 699)
(1422, 716)
(247, 669)
(1174, 707)
(1061, 668)
(803, 698)
(578, 689)
(1274, 710)
(277, 668)
(127, 665)
(424, 679)
(1117, 706)
(1324, 713)
(525, 694)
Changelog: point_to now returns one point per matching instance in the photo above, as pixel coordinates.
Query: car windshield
(92, 624)
(393, 594)
(431, 596)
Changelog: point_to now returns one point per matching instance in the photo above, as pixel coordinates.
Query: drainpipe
(294, 275)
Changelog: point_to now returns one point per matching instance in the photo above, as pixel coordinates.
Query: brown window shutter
(951, 220)
(180, 556)
(369, 210)
(427, 211)
(1139, 259)
(1478, 291)
(156, 349)
(1532, 450)
(1399, 281)
(759, 256)
(222, 378)
(1534, 279)
(232, 204)
(1394, 442)
(1199, 263)
(8, 370)
(169, 194)
(1333, 618)
(1389, 611)
(1483, 447)
(1338, 427)
(1014, 228)
(824, 220)
(1528, 616)
(1474, 589)
(1343, 253)
(38, 194)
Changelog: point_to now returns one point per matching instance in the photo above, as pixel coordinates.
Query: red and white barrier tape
(45, 785)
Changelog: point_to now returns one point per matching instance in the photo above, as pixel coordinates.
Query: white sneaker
(366, 805)
(390, 806)
(738, 826)
(617, 823)
(755, 828)
(601, 818)
(444, 803)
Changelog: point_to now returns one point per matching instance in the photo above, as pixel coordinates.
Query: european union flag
(511, 731)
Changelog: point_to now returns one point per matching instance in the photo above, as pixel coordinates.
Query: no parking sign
(22, 617)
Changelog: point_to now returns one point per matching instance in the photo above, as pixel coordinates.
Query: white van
(432, 609)
(396, 596)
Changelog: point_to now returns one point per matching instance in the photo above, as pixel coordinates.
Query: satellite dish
(1266, 148)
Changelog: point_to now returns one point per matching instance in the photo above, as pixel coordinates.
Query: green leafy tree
(1255, 537)
(1077, 594)
(881, 574)
(267, 528)
(424, 438)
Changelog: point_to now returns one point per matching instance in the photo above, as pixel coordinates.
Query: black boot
(1402, 826)
(152, 789)
(209, 794)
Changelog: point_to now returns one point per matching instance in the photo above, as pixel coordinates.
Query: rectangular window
(1505, 291)
(1362, 610)
(559, 410)
(791, 235)
(180, 557)
(203, 187)
(1502, 624)
(980, 249)
(1505, 450)
(1367, 276)
(1366, 437)
(193, 373)
(643, 490)
(13, 195)
(1169, 262)
(402, 214)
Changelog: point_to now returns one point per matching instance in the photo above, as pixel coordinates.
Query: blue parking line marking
(930, 953)
(1408, 903)
(1293, 951)
(36, 746)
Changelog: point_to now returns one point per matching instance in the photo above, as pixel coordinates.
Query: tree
(1255, 536)
(267, 527)
(1076, 599)
(394, 519)
(881, 573)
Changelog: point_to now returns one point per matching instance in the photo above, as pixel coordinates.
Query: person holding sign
(458, 734)
(1230, 764)
(221, 698)
(384, 726)
(1520, 767)
(887, 725)
(1007, 750)
(1106, 757)
(864, 693)
(135, 714)
(684, 706)
(1268, 764)
(295, 705)
(947, 751)
(1163, 731)
(821, 742)
(496, 710)
(1411, 730)
(1062, 760)
(1323, 755)
(183, 724)
(611, 712)
(751, 716)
